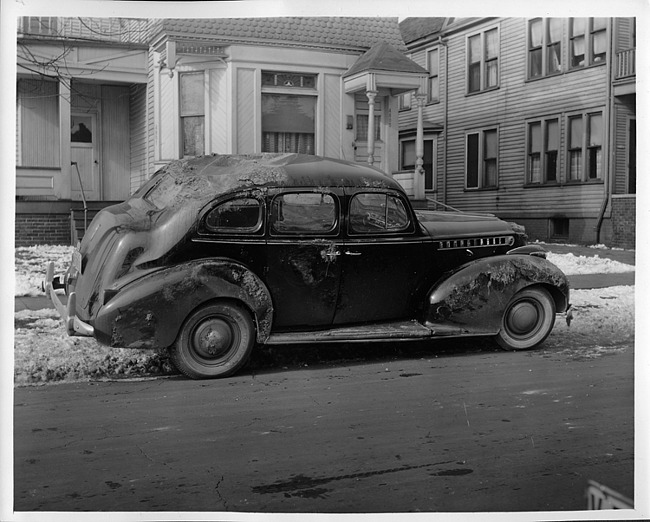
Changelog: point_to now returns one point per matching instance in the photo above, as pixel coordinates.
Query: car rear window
(164, 191)
(235, 215)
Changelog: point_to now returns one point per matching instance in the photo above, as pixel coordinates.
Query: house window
(405, 101)
(38, 130)
(586, 147)
(289, 112)
(483, 61)
(43, 25)
(192, 111)
(288, 80)
(543, 145)
(544, 47)
(288, 123)
(481, 159)
(598, 40)
(588, 41)
(408, 159)
(433, 66)
(594, 146)
(362, 127)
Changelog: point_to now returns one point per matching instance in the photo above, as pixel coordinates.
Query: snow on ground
(571, 264)
(31, 265)
(603, 324)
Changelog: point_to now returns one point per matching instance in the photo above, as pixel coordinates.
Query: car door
(384, 260)
(303, 265)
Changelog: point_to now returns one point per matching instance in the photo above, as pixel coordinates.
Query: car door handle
(348, 253)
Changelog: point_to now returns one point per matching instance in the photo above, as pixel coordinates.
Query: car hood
(452, 224)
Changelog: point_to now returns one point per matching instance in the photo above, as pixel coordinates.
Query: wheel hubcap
(523, 318)
(212, 338)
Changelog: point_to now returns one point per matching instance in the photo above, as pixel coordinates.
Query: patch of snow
(31, 267)
(571, 264)
(603, 325)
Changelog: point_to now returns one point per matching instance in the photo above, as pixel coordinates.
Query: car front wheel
(527, 320)
(215, 341)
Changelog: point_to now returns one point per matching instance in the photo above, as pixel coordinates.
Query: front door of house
(84, 157)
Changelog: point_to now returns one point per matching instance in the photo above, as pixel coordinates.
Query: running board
(398, 331)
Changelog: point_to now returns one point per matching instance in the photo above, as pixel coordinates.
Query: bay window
(288, 112)
(192, 113)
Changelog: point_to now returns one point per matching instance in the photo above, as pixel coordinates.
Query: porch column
(418, 178)
(63, 185)
(371, 126)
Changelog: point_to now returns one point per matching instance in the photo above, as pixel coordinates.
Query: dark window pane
(535, 60)
(472, 161)
(594, 165)
(578, 52)
(474, 77)
(408, 154)
(551, 166)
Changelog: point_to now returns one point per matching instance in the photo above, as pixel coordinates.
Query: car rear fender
(473, 298)
(149, 312)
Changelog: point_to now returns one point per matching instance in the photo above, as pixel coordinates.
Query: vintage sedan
(220, 253)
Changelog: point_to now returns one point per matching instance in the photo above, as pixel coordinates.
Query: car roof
(229, 173)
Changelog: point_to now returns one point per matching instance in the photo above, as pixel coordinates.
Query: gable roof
(383, 57)
(339, 33)
(415, 28)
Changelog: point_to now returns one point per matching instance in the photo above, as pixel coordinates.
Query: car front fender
(149, 312)
(471, 300)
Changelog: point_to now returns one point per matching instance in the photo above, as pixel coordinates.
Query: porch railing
(625, 64)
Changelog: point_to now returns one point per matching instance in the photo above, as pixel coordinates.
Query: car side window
(235, 215)
(303, 213)
(377, 213)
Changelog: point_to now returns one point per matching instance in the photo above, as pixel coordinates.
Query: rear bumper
(68, 311)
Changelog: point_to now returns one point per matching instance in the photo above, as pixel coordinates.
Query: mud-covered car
(217, 254)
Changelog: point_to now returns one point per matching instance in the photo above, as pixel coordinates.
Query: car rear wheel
(215, 341)
(528, 319)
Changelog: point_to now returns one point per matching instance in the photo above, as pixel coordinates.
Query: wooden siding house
(325, 86)
(81, 93)
(530, 119)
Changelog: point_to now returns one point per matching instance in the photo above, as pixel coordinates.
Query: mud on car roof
(207, 176)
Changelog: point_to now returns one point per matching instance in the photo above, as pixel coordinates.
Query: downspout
(445, 122)
(609, 182)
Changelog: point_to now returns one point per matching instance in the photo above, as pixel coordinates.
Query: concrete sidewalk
(578, 282)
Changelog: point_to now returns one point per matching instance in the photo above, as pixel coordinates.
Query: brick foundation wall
(624, 221)
(581, 230)
(42, 229)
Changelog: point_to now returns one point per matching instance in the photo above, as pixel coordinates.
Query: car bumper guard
(68, 312)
